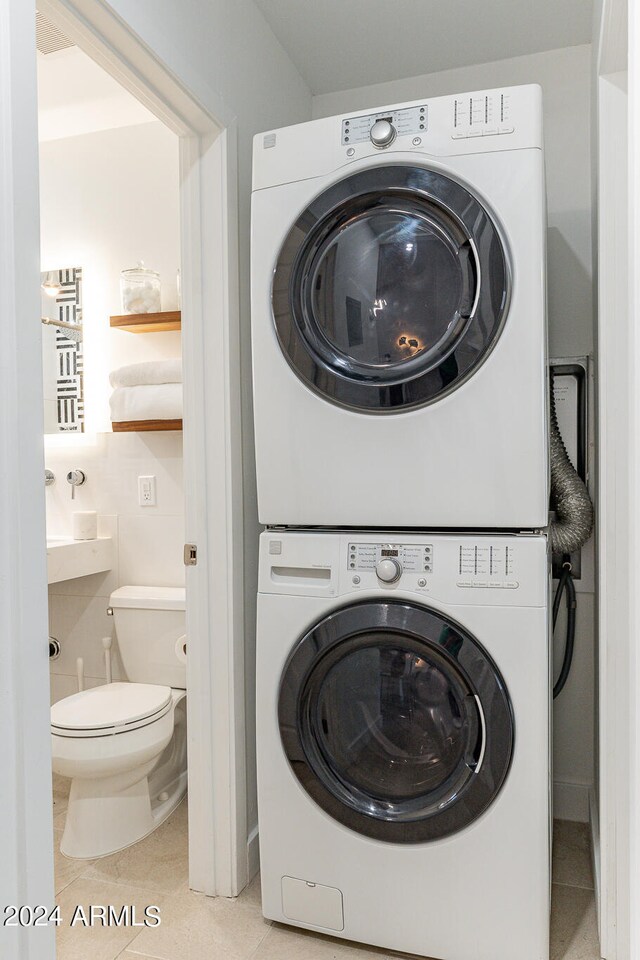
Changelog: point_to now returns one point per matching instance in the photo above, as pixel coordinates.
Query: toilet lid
(112, 705)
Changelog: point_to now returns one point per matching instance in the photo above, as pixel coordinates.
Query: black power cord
(566, 586)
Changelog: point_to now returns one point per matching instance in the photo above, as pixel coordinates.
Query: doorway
(218, 862)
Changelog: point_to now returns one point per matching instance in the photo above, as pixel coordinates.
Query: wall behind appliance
(565, 78)
(107, 199)
(226, 54)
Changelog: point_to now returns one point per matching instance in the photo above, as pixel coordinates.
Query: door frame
(26, 847)
(218, 860)
(614, 812)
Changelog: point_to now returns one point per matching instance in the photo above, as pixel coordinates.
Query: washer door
(390, 289)
(396, 721)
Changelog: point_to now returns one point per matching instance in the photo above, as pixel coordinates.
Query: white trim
(253, 853)
(571, 801)
(26, 847)
(617, 557)
(594, 824)
(107, 39)
(213, 496)
(212, 437)
(631, 777)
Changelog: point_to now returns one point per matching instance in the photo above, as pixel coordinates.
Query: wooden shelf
(135, 426)
(148, 322)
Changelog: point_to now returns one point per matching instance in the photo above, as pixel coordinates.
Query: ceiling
(339, 44)
(76, 96)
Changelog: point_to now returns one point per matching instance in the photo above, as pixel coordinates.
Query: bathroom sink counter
(68, 559)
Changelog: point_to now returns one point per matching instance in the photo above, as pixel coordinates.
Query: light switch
(147, 491)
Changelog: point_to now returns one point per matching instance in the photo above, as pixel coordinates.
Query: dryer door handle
(474, 251)
(475, 715)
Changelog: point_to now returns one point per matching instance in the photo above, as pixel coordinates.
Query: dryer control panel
(411, 120)
(482, 115)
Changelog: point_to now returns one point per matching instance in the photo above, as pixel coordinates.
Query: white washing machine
(403, 740)
(398, 303)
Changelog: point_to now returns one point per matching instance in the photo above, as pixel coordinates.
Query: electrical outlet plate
(147, 491)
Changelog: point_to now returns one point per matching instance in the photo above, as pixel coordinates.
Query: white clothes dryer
(403, 704)
(399, 327)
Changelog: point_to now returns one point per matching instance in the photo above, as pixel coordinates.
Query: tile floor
(198, 928)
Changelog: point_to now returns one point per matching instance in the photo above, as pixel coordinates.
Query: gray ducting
(570, 499)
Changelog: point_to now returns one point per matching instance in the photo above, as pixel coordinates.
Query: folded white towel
(153, 371)
(162, 401)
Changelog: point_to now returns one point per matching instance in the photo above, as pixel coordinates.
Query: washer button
(351, 152)
(416, 141)
(422, 582)
(356, 579)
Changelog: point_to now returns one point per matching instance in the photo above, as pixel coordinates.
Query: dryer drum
(396, 721)
(390, 289)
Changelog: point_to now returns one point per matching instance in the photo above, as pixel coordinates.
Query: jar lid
(140, 270)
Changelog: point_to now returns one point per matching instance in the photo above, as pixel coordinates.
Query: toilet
(124, 745)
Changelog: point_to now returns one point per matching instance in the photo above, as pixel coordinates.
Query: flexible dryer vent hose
(569, 496)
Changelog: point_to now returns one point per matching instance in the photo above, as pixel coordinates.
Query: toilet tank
(150, 631)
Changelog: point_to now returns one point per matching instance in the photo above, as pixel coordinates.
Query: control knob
(388, 570)
(382, 133)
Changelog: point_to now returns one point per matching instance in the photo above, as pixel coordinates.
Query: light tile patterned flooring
(194, 927)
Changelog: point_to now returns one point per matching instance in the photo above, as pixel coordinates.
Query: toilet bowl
(124, 745)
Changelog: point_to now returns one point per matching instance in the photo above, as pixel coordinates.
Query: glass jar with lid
(140, 290)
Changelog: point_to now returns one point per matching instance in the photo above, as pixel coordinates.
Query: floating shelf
(148, 322)
(134, 426)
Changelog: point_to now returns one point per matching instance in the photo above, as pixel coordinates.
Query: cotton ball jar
(140, 290)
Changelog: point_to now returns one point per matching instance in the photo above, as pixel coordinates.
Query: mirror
(62, 350)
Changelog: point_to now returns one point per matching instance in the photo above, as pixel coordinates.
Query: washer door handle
(475, 715)
(483, 733)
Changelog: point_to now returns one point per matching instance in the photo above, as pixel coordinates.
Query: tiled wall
(149, 540)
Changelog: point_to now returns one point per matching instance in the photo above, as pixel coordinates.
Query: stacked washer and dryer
(400, 387)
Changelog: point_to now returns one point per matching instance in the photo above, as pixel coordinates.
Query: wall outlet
(147, 491)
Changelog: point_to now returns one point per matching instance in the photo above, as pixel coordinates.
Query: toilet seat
(110, 709)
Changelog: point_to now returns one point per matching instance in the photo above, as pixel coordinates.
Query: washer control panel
(407, 122)
(481, 115)
(390, 560)
(487, 565)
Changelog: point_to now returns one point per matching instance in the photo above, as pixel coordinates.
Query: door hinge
(190, 554)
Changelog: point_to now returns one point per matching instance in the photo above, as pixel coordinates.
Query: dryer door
(396, 721)
(390, 289)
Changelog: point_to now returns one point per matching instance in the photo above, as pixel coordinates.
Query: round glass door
(395, 721)
(390, 289)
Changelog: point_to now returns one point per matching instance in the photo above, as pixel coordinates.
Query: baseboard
(571, 801)
(594, 819)
(253, 853)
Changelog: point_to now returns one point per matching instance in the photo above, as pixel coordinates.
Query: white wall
(565, 77)
(108, 199)
(148, 540)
